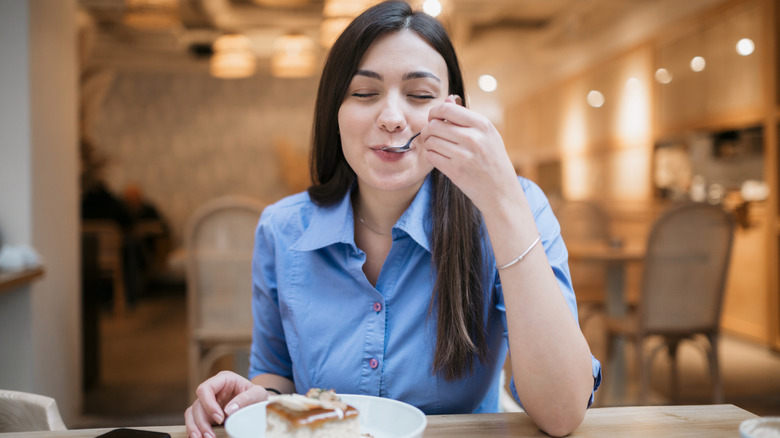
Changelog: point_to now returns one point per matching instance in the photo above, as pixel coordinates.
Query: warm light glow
(633, 84)
(487, 83)
(578, 178)
(293, 57)
(233, 57)
(338, 14)
(595, 99)
(633, 114)
(345, 8)
(745, 46)
(630, 174)
(432, 7)
(151, 14)
(663, 76)
(330, 29)
(698, 63)
(281, 3)
(573, 132)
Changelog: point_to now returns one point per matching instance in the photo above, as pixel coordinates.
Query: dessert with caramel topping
(319, 414)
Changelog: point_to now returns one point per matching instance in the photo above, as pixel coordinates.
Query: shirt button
(377, 307)
(373, 363)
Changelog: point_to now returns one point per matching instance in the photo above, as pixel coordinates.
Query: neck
(380, 210)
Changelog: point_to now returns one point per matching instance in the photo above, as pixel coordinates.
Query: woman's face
(398, 81)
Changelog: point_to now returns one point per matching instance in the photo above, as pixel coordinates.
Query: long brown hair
(457, 249)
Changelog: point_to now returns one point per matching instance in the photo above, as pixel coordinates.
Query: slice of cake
(319, 414)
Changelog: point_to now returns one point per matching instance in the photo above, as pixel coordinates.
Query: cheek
(350, 122)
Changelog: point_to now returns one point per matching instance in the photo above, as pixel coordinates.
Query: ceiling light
(293, 57)
(345, 8)
(595, 99)
(282, 3)
(233, 57)
(663, 76)
(151, 14)
(487, 83)
(432, 7)
(338, 14)
(745, 46)
(698, 63)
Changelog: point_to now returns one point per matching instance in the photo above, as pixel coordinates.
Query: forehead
(403, 51)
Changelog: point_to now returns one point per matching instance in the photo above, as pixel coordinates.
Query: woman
(409, 275)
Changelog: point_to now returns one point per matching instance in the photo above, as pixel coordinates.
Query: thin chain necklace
(369, 226)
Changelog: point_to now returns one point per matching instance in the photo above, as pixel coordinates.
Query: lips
(388, 156)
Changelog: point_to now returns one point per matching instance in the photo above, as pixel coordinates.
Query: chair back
(26, 412)
(687, 260)
(219, 242)
(585, 222)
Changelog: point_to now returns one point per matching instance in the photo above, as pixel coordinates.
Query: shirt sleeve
(558, 257)
(269, 353)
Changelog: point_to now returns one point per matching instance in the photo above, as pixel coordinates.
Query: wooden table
(617, 257)
(710, 421)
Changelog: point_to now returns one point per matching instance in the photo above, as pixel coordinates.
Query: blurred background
(142, 112)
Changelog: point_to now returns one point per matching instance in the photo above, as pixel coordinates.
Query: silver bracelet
(522, 256)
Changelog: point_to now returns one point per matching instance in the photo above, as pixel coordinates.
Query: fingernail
(218, 418)
(233, 407)
(209, 435)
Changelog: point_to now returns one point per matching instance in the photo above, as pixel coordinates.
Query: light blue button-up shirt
(320, 323)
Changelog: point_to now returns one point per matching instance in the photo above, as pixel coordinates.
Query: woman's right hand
(218, 397)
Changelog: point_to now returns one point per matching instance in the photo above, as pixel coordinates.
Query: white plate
(762, 427)
(380, 417)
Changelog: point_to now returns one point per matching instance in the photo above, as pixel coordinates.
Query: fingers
(215, 392)
(255, 394)
(451, 111)
(197, 422)
(225, 389)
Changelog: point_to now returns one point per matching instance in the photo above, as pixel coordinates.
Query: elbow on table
(561, 423)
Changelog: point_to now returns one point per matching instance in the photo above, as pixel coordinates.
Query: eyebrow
(411, 75)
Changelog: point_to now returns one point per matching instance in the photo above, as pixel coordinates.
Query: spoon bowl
(400, 149)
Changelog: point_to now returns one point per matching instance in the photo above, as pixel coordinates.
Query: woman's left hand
(467, 148)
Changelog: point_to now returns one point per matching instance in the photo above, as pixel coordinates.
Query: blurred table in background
(617, 256)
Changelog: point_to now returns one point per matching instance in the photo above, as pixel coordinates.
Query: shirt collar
(335, 223)
(417, 220)
(329, 225)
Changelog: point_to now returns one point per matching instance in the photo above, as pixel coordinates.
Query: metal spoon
(400, 149)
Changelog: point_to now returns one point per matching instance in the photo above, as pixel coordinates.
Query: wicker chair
(219, 242)
(26, 412)
(585, 221)
(682, 290)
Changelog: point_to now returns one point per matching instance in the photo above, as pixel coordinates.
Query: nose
(391, 117)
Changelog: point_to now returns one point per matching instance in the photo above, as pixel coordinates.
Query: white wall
(40, 341)
(15, 190)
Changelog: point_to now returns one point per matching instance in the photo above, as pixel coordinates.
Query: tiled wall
(188, 138)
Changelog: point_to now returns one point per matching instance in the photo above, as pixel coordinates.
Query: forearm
(551, 363)
(282, 384)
